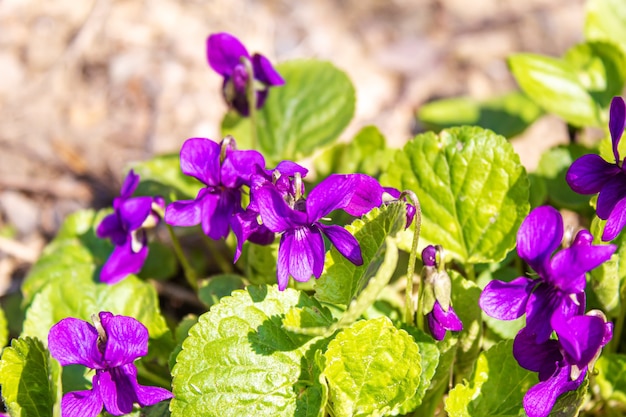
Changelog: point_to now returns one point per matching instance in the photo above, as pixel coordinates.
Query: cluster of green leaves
(339, 345)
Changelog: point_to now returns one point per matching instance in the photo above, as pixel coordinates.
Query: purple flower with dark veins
(126, 229)
(229, 58)
(591, 174)
(562, 364)
(558, 292)
(224, 171)
(110, 348)
(301, 251)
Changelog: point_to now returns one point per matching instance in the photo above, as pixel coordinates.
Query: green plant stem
(409, 313)
(190, 274)
(619, 325)
(252, 111)
(156, 379)
(224, 265)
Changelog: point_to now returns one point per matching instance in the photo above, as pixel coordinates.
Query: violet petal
(145, 395)
(275, 213)
(581, 338)
(217, 212)
(540, 399)
(436, 329)
(73, 342)
(346, 244)
(81, 403)
(130, 184)
(239, 166)
(448, 319)
(589, 173)
(506, 300)
(122, 262)
(613, 191)
(367, 193)
(570, 265)
(224, 52)
(134, 211)
(542, 303)
(111, 227)
(127, 339)
(539, 235)
(616, 221)
(186, 212)
(617, 122)
(334, 192)
(200, 158)
(116, 390)
(265, 72)
(537, 357)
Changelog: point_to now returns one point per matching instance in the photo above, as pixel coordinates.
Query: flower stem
(252, 111)
(224, 265)
(190, 274)
(409, 312)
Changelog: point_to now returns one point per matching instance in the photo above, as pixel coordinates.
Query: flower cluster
(437, 304)
(126, 228)
(277, 205)
(591, 174)
(110, 347)
(553, 302)
(229, 58)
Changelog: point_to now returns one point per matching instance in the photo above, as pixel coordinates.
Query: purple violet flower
(591, 174)
(110, 348)
(301, 251)
(558, 293)
(440, 315)
(226, 55)
(126, 229)
(246, 225)
(224, 171)
(440, 321)
(562, 364)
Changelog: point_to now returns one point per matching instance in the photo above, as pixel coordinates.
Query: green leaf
(606, 20)
(507, 115)
(372, 368)
(161, 263)
(442, 377)
(605, 282)
(259, 262)
(313, 107)
(570, 403)
(161, 175)
(611, 378)
(430, 359)
(553, 167)
(4, 330)
(29, 380)
(472, 188)
(181, 333)
(465, 295)
(219, 286)
(341, 280)
(239, 361)
(73, 254)
(367, 153)
(80, 297)
(554, 84)
(601, 69)
(496, 388)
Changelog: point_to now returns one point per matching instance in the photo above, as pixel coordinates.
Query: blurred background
(88, 86)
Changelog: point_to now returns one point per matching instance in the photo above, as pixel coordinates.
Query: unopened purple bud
(429, 256)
